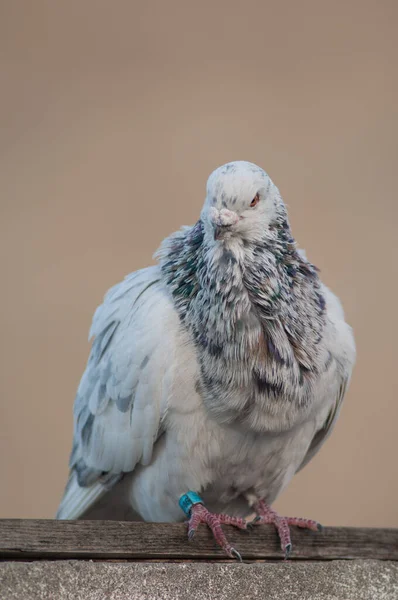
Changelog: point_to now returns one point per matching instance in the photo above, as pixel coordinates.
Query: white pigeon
(214, 376)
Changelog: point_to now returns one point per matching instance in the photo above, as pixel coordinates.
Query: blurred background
(112, 116)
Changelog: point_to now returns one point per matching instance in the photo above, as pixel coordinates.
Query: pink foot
(267, 515)
(200, 514)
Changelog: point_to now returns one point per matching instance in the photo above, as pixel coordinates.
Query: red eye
(255, 201)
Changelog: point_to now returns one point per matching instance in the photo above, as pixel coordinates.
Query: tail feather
(77, 500)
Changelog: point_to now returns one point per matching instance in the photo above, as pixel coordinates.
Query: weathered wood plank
(20, 538)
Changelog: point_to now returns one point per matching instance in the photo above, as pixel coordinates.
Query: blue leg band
(187, 501)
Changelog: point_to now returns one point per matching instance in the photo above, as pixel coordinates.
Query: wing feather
(342, 354)
(322, 434)
(121, 397)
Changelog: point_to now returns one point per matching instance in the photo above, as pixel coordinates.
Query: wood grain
(20, 538)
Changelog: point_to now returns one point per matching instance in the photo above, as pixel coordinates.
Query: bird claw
(252, 523)
(235, 553)
(288, 550)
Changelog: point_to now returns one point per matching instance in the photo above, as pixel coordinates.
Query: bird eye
(255, 201)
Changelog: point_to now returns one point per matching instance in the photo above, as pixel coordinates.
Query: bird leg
(265, 514)
(193, 506)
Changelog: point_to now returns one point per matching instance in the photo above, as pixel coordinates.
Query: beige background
(112, 116)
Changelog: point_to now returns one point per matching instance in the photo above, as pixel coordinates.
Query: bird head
(241, 202)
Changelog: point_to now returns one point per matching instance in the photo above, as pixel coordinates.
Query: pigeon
(214, 376)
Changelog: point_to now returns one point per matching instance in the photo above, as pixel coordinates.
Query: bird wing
(122, 395)
(342, 352)
(323, 433)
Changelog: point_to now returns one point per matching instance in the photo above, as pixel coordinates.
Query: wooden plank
(20, 538)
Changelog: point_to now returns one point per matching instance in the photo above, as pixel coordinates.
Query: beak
(220, 230)
(222, 221)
